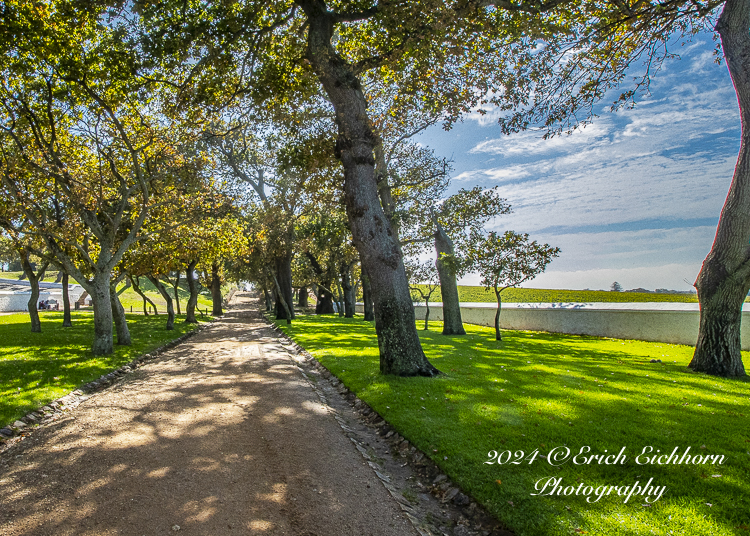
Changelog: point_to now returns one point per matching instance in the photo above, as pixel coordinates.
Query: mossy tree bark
(400, 350)
(724, 279)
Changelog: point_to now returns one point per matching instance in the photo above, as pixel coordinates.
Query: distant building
(15, 294)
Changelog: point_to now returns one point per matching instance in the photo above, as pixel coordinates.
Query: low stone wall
(675, 323)
(14, 301)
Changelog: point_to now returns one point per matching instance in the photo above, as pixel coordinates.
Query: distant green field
(538, 295)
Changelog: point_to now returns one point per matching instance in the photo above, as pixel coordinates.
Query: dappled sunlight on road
(222, 435)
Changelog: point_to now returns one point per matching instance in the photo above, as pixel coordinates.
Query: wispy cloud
(669, 160)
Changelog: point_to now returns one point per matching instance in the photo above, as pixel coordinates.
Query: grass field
(536, 295)
(535, 392)
(36, 368)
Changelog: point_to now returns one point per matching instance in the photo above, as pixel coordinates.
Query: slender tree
(508, 260)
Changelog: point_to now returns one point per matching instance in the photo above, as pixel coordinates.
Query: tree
(76, 124)
(423, 281)
(447, 222)
(615, 287)
(508, 260)
(724, 279)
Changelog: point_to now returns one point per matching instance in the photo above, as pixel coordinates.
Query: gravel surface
(223, 434)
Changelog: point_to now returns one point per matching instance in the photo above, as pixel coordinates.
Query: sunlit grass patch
(36, 368)
(534, 392)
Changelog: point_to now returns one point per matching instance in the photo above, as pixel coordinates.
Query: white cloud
(532, 143)
(633, 196)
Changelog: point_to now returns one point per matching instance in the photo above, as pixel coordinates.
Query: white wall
(675, 323)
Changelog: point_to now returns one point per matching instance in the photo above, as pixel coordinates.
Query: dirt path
(220, 435)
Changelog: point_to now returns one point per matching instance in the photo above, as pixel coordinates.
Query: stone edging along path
(433, 504)
(458, 510)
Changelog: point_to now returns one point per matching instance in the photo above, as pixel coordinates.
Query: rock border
(55, 409)
(471, 518)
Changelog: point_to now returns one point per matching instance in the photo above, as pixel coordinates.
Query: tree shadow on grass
(542, 390)
(221, 437)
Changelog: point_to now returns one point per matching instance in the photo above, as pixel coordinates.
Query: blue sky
(634, 197)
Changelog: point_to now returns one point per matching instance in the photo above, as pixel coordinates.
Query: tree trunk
(347, 290)
(498, 337)
(118, 313)
(216, 290)
(103, 338)
(164, 294)
(724, 279)
(284, 290)
(193, 299)
(427, 315)
(67, 319)
(176, 287)
(60, 275)
(283, 310)
(367, 297)
(28, 271)
(400, 350)
(146, 300)
(452, 322)
(267, 298)
(302, 302)
(325, 300)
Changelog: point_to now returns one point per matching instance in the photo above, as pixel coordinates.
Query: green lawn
(540, 295)
(36, 368)
(534, 392)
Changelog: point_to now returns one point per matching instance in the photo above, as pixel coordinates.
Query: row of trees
(122, 122)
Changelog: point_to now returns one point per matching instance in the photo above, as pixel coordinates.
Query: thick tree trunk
(724, 279)
(216, 290)
(103, 338)
(164, 294)
(303, 297)
(369, 311)
(193, 299)
(67, 319)
(283, 307)
(452, 322)
(400, 350)
(284, 291)
(325, 300)
(118, 313)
